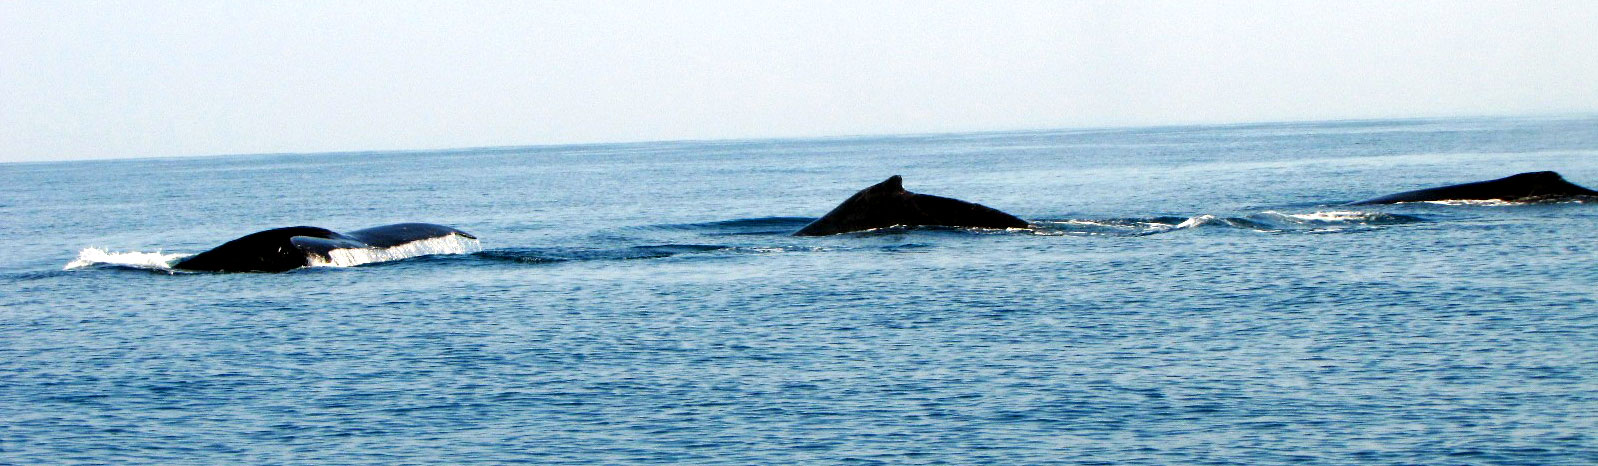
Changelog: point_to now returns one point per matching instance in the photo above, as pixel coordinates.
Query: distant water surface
(1187, 295)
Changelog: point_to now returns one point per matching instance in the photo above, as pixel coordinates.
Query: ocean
(1186, 295)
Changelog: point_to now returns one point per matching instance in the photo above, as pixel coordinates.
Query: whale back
(400, 233)
(272, 250)
(1520, 187)
(284, 249)
(888, 204)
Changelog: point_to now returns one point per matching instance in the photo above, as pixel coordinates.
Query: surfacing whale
(887, 204)
(284, 249)
(1532, 186)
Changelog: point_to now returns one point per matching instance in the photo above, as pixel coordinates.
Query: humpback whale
(1530, 186)
(284, 249)
(887, 204)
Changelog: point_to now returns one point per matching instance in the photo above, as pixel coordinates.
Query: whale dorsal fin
(1544, 176)
(1520, 187)
(887, 204)
(893, 183)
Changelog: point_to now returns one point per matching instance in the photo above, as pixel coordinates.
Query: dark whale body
(284, 249)
(1530, 186)
(887, 204)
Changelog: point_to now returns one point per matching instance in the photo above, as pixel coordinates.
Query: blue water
(1189, 295)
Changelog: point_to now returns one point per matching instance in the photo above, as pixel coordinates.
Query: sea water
(1186, 295)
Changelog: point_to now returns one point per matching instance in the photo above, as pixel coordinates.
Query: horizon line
(512, 147)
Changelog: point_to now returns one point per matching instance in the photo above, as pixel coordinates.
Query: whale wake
(349, 257)
(90, 257)
(452, 244)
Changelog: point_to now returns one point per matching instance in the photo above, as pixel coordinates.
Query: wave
(160, 261)
(660, 251)
(1267, 221)
(743, 226)
(1534, 200)
(448, 244)
(933, 229)
(552, 255)
(1107, 227)
(1345, 217)
(1519, 202)
(93, 257)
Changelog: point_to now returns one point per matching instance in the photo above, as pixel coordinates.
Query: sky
(90, 79)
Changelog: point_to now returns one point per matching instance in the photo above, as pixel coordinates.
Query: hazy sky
(151, 78)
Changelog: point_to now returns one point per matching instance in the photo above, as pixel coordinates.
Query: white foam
(1331, 216)
(1090, 227)
(781, 249)
(1091, 223)
(1194, 222)
(1476, 202)
(450, 244)
(145, 260)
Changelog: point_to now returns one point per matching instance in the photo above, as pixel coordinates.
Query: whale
(288, 248)
(1524, 187)
(887, 204)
